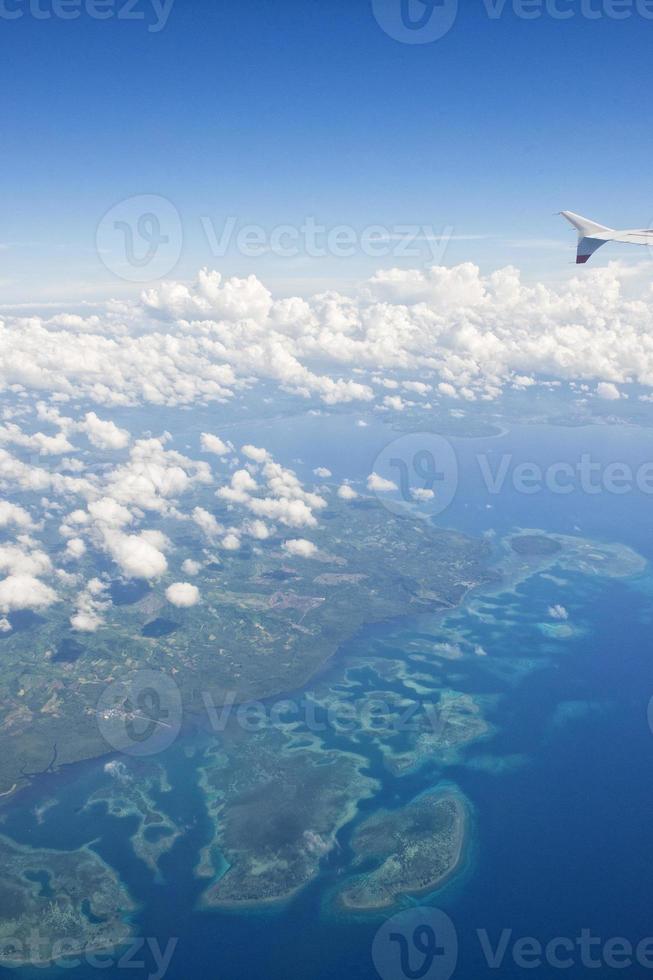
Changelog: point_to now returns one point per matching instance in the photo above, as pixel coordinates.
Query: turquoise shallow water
(563, 836)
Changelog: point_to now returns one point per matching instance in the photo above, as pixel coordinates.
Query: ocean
(562, 801)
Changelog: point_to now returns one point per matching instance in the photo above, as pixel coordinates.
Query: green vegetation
(276, 814)
(416, 849)
(265, 625)
(58, 903)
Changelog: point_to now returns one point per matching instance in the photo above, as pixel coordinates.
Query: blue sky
(274, 111)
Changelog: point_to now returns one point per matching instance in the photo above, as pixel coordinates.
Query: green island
(416, 849)
(57, 904)
(527, 552)
(276, 813)
(265, 625)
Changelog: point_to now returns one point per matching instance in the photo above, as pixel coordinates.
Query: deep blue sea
(563, 830)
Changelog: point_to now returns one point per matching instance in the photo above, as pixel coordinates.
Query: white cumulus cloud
(300, 547)
(25, 592)
(104, 434)
(183, 594)
(379, 484)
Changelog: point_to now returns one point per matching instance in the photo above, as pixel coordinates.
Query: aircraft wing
(591, 236)
(638, 237)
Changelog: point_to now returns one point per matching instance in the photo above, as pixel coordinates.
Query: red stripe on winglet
(582, 259)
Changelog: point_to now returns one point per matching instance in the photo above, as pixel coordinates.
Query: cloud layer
(457, 331)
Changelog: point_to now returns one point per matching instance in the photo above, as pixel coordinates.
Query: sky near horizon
(272, 114)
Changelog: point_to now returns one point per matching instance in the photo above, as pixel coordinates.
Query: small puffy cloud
(78, 517)
(422, 494)
(90, 605)
(447, 389)
(292, 513)
(416, 386)
(231, 542)
(25, 592)
(191, 567)
(104, 434)
(86, 622)
(608, 391)
(107, 512)
(96, 586)
(183, 594)
(241, 486)
(395, 402)
(379, 484)
(345, 492)
(156, 538)
(13, 514)
(210, 296)
(136, 556)
(214, 444)
(257, 529)
(558, 612)
(207, 522)
(243, 482)
(5, 625)
(322, 472)
(72, 465)
(75, 548)
(254, 453)
(24, 559)
(37, 442)
(300, 547)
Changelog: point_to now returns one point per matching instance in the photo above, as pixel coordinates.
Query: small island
(417, 848)
(277, 813)
(56, 904)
